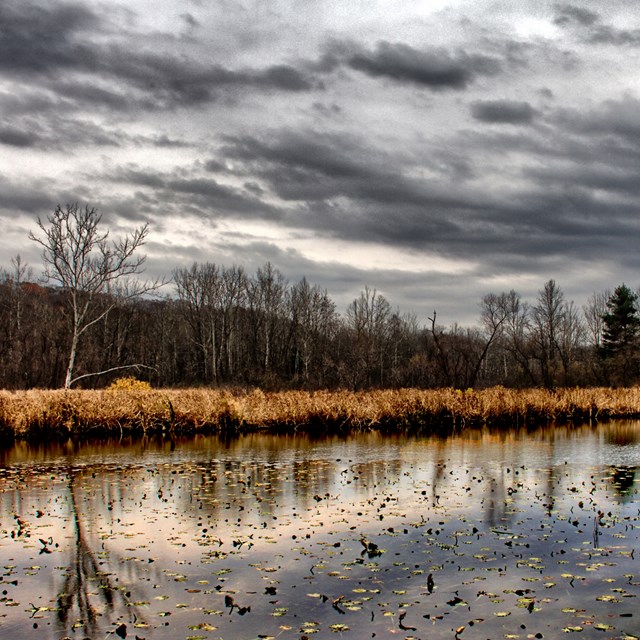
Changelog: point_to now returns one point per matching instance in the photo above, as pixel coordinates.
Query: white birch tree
(80, 259)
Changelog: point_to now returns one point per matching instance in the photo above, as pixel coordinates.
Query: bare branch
(137, 365)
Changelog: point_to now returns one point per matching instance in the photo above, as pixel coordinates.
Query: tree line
(92, 319)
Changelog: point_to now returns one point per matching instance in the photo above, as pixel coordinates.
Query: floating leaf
(203, 626)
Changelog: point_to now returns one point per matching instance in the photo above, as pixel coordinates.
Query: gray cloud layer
(467, 150)
(432, 68)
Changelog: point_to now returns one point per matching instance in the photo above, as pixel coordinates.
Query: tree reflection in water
(88, 592)
(623, 478)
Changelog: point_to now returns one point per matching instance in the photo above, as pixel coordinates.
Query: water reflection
(513, 533)
(89, 590)
(623, 479)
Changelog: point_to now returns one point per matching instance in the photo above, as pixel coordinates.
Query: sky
(432, 150)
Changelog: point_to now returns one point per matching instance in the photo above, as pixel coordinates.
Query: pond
(510, 534)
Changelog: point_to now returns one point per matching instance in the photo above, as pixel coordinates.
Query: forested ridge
(224, 326)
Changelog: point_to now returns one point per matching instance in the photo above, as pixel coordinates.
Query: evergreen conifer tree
(621, 329)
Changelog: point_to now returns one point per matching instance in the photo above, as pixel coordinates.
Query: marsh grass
(45, 415)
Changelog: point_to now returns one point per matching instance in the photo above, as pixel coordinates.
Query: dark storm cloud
(574, 188)
(203, 196)
(313, 155)
(215, 166)
(565, 139)
(56, 133)
(342, 186)
(190, 20)
(167, 142)
(17, 137)
(284, 77)
(503, 112)
(32, 198)
(607, 134)
(594, 29)
(348, 190)
(597, 178)
(571, 14)
(36, 38)
(61, 134)
(319, 167)
(89, 94)
(179, 82)
(222, 198)
(353, 191)
(435, 69)
(613, 118)
(597, 150)
(606, 34)
(59, 47)
(46, 42)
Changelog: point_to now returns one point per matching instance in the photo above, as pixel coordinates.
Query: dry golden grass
(52, 414)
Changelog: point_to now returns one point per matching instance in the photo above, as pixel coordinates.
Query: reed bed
(46, 415)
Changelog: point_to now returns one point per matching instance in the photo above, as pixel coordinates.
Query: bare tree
(557, 335)
(594, 309)
(368, 320)
(13, 308)
(517, 329)
(547, 315)
(494, 312)
(571, 342)
(457, 353)
(79, 258)
(233, 296)
(312, 316)
(267, 305)
(199, 288)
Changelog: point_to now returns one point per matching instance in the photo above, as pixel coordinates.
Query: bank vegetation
(51, 415)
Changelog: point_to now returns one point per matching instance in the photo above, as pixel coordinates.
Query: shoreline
(48, 415)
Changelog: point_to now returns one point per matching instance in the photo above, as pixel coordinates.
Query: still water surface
(505, 535)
